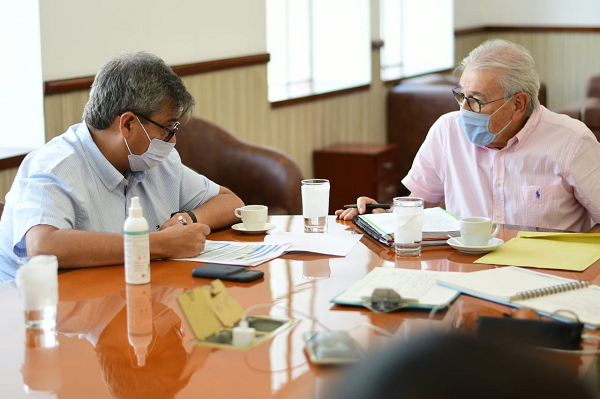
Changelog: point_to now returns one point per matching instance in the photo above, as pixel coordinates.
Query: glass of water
(37, 281)
(408, 222)
(315, 205)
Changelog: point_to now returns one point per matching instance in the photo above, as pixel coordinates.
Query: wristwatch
(192, 216)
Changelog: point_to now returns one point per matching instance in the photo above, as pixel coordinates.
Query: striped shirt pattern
(547, 176)
(69, 184)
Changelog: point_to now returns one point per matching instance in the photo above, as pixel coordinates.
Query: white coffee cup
(254, 217)
(477, 231)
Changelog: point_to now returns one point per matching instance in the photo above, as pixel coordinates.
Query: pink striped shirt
(548, 175)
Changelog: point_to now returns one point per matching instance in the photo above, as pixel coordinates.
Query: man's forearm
(218, 211)
(75, 248)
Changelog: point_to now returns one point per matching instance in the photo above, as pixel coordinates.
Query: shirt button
(498, 214)
(110, 187)
(497, 184)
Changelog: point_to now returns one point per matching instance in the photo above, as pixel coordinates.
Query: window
(21, 93)
(317, 46)
(418, 37)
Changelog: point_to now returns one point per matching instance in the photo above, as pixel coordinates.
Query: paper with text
(239, 253)
(415, 284)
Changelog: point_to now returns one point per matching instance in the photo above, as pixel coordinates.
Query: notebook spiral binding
(555, 289)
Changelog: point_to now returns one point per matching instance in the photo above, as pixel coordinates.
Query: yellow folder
(564, 251)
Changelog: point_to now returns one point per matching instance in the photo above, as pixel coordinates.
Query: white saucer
(240, 227)
(492, 244)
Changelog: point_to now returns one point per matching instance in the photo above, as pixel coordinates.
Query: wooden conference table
(95, 360)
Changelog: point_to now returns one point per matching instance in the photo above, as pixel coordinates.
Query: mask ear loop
(493, 113)
(128, 149)
(138, 119)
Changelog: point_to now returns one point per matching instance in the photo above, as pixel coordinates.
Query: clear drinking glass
(315, 205)
(408, 222)
(41, 366)
(37, 281)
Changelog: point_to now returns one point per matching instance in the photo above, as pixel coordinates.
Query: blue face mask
(477, 126)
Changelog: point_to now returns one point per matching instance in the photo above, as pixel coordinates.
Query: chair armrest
(593, 86)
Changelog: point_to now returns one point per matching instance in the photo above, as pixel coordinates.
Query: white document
(436, 222)
(413, 284)
(547, 293)
(327, 244)
(240, 253)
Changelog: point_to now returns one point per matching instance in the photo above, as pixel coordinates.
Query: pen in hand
(182, 220)
(369, 206)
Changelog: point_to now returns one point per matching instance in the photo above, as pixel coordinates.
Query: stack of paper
(419, 285)
(437, 225)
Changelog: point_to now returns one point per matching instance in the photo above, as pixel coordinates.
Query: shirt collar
(107, 173)
(528, 129)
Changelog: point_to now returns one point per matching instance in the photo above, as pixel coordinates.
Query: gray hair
(516, 65)
(141, 83)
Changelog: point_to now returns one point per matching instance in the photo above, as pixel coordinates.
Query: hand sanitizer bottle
(137, 245)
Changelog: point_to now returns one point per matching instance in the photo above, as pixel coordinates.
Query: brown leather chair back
(257, 174)
(1, 208)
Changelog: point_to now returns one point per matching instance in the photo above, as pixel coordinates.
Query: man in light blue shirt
(70, 197)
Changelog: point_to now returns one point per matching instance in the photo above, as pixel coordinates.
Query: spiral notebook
(525, 288)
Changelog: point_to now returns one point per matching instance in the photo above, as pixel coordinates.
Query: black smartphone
(227, 272)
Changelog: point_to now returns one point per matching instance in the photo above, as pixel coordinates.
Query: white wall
(78, 36)
(469, 13)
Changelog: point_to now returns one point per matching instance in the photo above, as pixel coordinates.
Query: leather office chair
(413, 106)
(587, 109)
(257, 174)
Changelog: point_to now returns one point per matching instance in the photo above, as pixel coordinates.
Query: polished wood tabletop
(91, 355)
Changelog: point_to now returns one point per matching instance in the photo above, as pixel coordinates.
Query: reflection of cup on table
(315, 205)
(477, 231)
(41, 367)
(37, 280)
(408, 222)
(254, 217)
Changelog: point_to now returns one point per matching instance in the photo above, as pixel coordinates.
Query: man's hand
(179, 241)
(348, 214)
(76, 248)
(174, 221)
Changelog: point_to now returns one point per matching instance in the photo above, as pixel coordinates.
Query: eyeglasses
(171, 132)
(474, 104)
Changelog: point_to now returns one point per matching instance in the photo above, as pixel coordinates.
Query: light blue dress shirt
(69, 184)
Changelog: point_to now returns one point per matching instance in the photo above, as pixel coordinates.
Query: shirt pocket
(538, 206)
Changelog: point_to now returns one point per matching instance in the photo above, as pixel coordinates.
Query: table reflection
(138, 339)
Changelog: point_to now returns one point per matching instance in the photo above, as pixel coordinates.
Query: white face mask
(156, 154)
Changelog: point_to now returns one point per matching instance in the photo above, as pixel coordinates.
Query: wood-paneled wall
(564, 60)
(237, 98)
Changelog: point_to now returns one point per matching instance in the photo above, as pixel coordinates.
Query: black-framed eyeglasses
(474, 104)
(171, 132)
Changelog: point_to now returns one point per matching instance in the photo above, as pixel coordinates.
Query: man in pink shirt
(503, 155)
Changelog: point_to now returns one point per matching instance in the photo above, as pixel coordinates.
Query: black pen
(369, 206)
